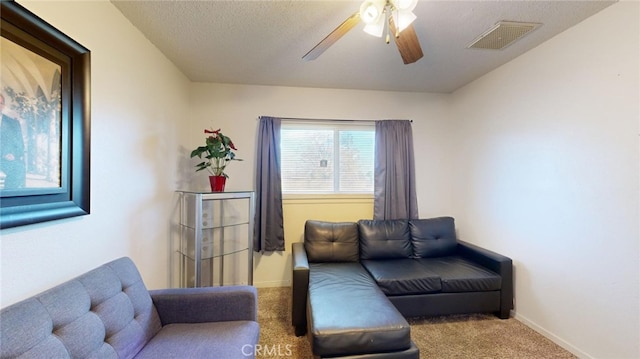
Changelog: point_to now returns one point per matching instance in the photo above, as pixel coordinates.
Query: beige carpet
(459, 336)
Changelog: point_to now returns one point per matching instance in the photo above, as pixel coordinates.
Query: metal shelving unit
(215, 237)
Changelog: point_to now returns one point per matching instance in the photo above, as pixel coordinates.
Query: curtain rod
(324, 119)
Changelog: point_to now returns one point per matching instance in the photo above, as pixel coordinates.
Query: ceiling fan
(395, 16)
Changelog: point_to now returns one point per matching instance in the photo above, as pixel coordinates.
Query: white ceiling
(262, 42)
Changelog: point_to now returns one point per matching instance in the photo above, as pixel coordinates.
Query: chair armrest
(497, 263)
(206, 304)
(300, 288)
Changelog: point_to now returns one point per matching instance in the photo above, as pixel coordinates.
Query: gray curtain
(269, 229)
(394, 183)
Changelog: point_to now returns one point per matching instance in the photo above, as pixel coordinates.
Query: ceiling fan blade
(334, 36)
(408, 44)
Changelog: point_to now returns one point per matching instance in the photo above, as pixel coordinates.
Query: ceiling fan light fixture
(404, 19)
(406, 5)
(378, 15)
(376, 29)
(371, 11)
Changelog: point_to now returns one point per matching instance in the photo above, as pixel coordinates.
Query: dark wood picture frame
(72, 197)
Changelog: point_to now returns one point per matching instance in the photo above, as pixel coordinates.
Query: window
(327, 157)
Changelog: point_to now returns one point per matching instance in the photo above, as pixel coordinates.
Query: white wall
(547, 172)
(235, 108)
(537, 160)
(138, 108)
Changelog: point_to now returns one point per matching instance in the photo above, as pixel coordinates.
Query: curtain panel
(394, 183)
(268, 226)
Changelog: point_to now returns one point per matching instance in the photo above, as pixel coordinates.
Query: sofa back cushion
(104, 313)
(380, 239)
(331, 242)
(433, 237)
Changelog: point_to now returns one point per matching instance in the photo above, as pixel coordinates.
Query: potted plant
(217, 152)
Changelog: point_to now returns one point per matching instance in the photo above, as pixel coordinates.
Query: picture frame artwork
(45, 126)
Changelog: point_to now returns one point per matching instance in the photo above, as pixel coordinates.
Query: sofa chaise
(108, 313)
(354, 283)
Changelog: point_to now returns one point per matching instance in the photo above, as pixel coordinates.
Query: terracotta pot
(217, 183)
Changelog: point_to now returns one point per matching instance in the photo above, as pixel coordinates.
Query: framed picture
(45, 126)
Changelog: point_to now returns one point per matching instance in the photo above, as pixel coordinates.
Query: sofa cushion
(27, 329)
(331, 242)
(433, 237)
(349, 315)
(104, 313)
(402, 276)
(230, 339)
(383, 239)
(461, 275)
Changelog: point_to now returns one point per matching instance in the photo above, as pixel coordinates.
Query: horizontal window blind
(327, 157)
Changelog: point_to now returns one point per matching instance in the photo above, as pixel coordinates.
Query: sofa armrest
(300, 287)
(206, 304)
(497, 263)
(484, 257)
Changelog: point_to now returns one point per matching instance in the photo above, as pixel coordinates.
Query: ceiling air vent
(502, 35)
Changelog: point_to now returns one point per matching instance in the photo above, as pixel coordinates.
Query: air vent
(502, 35)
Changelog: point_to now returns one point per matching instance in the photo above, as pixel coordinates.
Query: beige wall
(547, 172)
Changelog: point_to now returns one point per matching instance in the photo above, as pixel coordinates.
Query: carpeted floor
(459, 336)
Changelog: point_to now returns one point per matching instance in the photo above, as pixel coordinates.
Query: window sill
(328, 198)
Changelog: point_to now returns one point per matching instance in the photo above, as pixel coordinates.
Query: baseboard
(554, 338)
(272, 283)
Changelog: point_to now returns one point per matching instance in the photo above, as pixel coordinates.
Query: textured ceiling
(262, 42)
